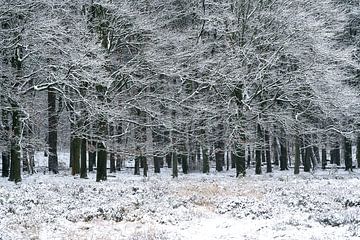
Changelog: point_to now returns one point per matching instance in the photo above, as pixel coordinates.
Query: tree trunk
(335, 155)
(323, 158)
(112, 162)
(307, 160)
(358, 151)
(157, 163)
(258, 161)
(219, 156)
(267, 152)
(239, 158)
(137, 165)
(283, 157)
(52, 135)
(206, 165)
(5, 155)
(83, 168)
(15, 169)
(168, 159)
(92, 155)
(248, 163)
(145, 165)
(184, 163)
(75, 152)
(101, 163)
(118, 162)
(297, 156)
(175, 171)
(276, 153)
(347, 154)
(316, 151)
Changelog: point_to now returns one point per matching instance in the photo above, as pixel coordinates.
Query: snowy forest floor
(322, 205)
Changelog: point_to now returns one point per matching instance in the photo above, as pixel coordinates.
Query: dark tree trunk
(92, 155)
(227, 154)
(233, 163)
(347, 154)
(283, 157)
(297, 156)
(5, 155)
(52, 137)
(175, 171)
(15, 169)
(335, 155)
(267, 152)
(258, 161)
(145, 165)
(323, 158)
(83, 169)
(276, 153)
(118, 162)
(358, 151)
(112, 162)
(168, 159)
(112, 153)
(307, 160)
(101, 163)
(239, 158)
(248, 164)
(302, 151)
(75, 152)
(157, 163)
(206, 165)
(219, 156)
(184, 163)
(137, 165)
(316, 154)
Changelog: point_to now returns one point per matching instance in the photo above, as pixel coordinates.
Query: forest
(179, 119)
(184, 84)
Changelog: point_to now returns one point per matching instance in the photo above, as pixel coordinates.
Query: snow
(322, 205)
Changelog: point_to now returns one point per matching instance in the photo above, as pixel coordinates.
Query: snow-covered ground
(324, 205)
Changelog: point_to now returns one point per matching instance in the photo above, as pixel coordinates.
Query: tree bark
(335, 155)
(52, 134)
(219, 156)
(112, 162)
(297, 156)
(307, 160)
(145, 165)
(267, 152)
(206, 165)
(184, 163)
(323, 158)
(15, 169)
(175, 171)
(101, 163)
(137, 165)
(358, 151)
(239, 158)
(283, 156)
(276, 152)
(258, 161)
(83, 168)
(92, 155)
(157, 162)
(347, 154)
(75, 152)
(5, 155)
